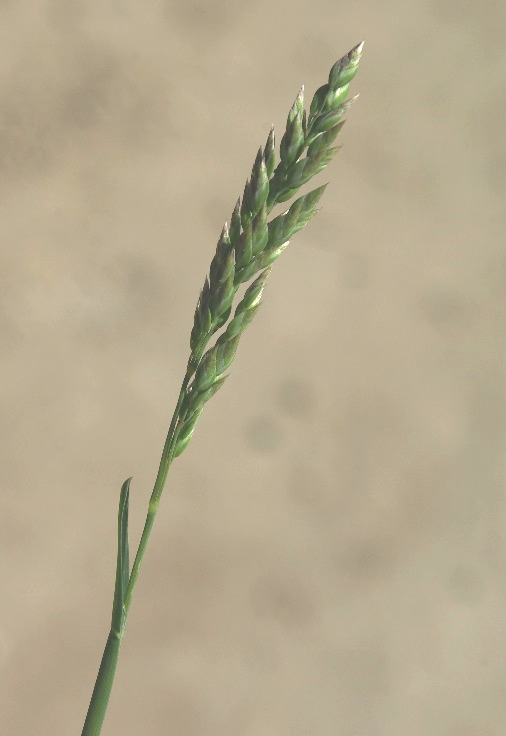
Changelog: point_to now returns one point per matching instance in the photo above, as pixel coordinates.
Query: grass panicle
(247, 246)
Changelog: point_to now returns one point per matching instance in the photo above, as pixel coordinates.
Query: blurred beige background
(330, 555)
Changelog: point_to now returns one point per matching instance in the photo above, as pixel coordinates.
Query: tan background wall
(330, 557)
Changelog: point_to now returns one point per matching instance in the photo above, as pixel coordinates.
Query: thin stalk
(166, 459)
(105, 678)
(163, 469)
(103, 685)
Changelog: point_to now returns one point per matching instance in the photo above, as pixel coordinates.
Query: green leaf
(122, 562)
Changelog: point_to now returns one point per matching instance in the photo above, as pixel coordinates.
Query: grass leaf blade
(122, 563)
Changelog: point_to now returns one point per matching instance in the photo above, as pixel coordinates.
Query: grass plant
(246, 248)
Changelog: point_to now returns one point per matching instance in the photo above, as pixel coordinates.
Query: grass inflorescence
(247, 247)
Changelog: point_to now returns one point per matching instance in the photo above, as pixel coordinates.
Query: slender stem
(105, 678)
(169, 449)
(161, 477)
(103, 684)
